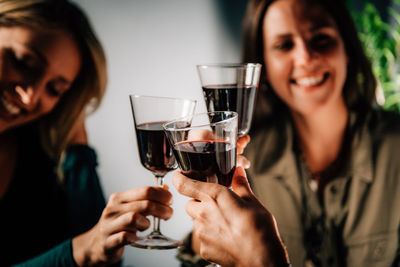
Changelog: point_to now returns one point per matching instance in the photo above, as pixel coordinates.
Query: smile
(312, 80)
(9, 107)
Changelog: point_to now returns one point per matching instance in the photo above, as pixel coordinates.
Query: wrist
(81, 256)
(81, 250)
(268, 251)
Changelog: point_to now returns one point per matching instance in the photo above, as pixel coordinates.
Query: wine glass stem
(156, 220)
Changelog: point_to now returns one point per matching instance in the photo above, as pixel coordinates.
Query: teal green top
(40, 214)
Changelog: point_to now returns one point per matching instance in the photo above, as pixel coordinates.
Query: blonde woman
(52, 73)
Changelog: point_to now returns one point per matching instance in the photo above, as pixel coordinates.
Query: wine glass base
(156, 241)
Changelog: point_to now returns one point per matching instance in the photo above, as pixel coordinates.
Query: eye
(322, 43)
(23, 61)
(55, 89)
(284, 45)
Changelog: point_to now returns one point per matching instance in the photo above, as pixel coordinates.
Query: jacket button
(333, 189)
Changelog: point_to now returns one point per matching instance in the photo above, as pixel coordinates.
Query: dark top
(39, 213)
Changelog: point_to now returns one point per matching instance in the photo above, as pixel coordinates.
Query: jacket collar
(359, 167)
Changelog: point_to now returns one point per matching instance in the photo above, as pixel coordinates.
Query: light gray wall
(152, 48)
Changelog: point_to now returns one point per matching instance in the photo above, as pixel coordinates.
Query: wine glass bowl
(231, 87)
(205, 145)
(149, 114)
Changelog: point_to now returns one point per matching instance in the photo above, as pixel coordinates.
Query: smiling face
(36, 69)
(304, 54)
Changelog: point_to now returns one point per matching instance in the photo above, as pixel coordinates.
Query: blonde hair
(87, 90)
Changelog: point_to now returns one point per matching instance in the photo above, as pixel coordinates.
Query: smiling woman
(38, 68)
(324, 159)
(52, 207)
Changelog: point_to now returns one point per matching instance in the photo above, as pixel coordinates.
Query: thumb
(240, 185)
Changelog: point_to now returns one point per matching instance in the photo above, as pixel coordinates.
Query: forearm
(79, 250)
(61, 255)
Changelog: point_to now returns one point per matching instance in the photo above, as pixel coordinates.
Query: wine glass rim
(163, 97)
(166, 128)
(228, 65)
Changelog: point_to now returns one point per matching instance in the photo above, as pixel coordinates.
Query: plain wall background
(152, 48)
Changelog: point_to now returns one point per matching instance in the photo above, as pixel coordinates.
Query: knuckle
(147, 205)
(202, 214)
(201, 232)
(178, 182)
(114, 198)
(204, 253)
(106, 210)
(169, 214)
(124, 238)
(131, 217)
(148, 191)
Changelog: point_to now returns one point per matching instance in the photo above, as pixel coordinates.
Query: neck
(321, 135)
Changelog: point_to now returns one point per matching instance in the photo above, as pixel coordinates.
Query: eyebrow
(63, 80)
(323, 23)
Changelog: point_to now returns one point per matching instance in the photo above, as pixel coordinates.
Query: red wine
(208, 161)
(230, 97)
(155, 152)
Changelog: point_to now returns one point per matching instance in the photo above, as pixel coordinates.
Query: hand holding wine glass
(205, 145)
(149, 114)
(231, 227)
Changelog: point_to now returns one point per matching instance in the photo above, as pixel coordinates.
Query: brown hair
(89, 86)
(360, 85)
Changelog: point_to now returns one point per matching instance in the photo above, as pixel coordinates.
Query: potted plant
(381, 42)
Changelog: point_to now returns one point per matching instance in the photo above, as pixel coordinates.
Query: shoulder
(270, 142)
(384, 126)
(384, 131)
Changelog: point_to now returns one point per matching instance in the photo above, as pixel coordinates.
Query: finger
(146, 207)
(153, 193)
(119, 240)
(130, 221)
(242, 143)
(243, 162)
(200, 134)
(192, 207)
(196, 189)
(240, 185)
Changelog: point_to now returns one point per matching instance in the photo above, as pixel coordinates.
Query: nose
(29, 96)
(24, 94)
(303, 54)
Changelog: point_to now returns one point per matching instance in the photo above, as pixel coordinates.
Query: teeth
(11, 108)
(310, 81)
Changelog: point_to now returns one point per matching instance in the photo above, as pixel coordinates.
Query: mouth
(310, 81)
(9, 107)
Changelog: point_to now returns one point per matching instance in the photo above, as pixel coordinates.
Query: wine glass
(205, 146)
(231, 87)
(149, 114)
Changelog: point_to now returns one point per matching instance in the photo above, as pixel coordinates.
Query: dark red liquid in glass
(210, 161)
(230, 97)
(155, 152)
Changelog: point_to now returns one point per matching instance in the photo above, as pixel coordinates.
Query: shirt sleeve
(85, 199)
(59, 256)
(187, 256)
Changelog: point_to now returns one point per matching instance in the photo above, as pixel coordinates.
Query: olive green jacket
(357, 223)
